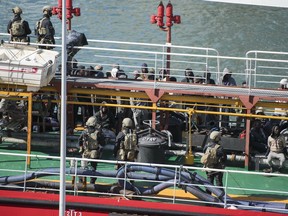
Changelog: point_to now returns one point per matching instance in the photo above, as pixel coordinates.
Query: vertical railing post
(125, 179)
(29, 128)
(26, 166)
(174, 186)
(225, 189)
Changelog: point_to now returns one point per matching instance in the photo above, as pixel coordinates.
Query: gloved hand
(81, 150)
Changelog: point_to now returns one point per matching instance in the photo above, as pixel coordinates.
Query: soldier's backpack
(92, 140)
(130, 140)
(210, 156)
(39, 30)
(130, 144)
(17, 28)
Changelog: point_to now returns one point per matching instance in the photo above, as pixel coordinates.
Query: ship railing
(258, 72)
(259, 69)
(240, 194)
(271, 58)
(131, 55)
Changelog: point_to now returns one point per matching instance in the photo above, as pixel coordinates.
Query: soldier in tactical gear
(221, 157)
(18, 28)
(126, 145)
(91, 142)
(44, 29)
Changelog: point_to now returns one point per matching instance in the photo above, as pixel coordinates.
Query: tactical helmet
(215, 135)
(127, 123)
(47, 8)
(17, 10)
(91, 122)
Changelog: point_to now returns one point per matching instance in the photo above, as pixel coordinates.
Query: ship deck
(239, 183)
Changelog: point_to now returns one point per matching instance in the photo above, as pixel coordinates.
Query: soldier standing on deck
(216, 160)
(91, 142)
(18, 28)
(44, 29)
(126, 145)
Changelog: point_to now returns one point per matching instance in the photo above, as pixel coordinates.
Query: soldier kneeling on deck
(126, 142)
(91, 143)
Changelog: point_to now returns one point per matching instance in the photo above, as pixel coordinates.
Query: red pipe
(160, 14)
(169, 15)
(69, 11)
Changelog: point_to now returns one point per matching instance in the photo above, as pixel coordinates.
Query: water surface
(231, 29)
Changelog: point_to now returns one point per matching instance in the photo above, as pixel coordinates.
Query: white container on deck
(27, 65)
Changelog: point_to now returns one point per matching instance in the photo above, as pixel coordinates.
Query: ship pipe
(54, 171)
(56, 185)
(210, 187)
(230, 157)
(71, 171)
(157, 171)
(191, 189)
(161, 171)
(235, 157)
(156, 189)
(184, 175)
(262, 206)
(147, 176)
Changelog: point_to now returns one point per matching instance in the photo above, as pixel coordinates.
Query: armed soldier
(214, 157)
(18, 28)
(91, 142)
(126, 142)
(44, 29)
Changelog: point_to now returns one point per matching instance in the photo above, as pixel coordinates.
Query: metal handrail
(173, 198)
(124, 52)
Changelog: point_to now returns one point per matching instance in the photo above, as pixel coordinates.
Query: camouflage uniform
(126, 145)
(18, 28)
(44, 30)
(91, 142)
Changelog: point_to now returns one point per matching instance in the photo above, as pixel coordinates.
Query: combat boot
(270, 170)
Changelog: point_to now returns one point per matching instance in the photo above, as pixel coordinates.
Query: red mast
(169, 23)
(69, 12)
